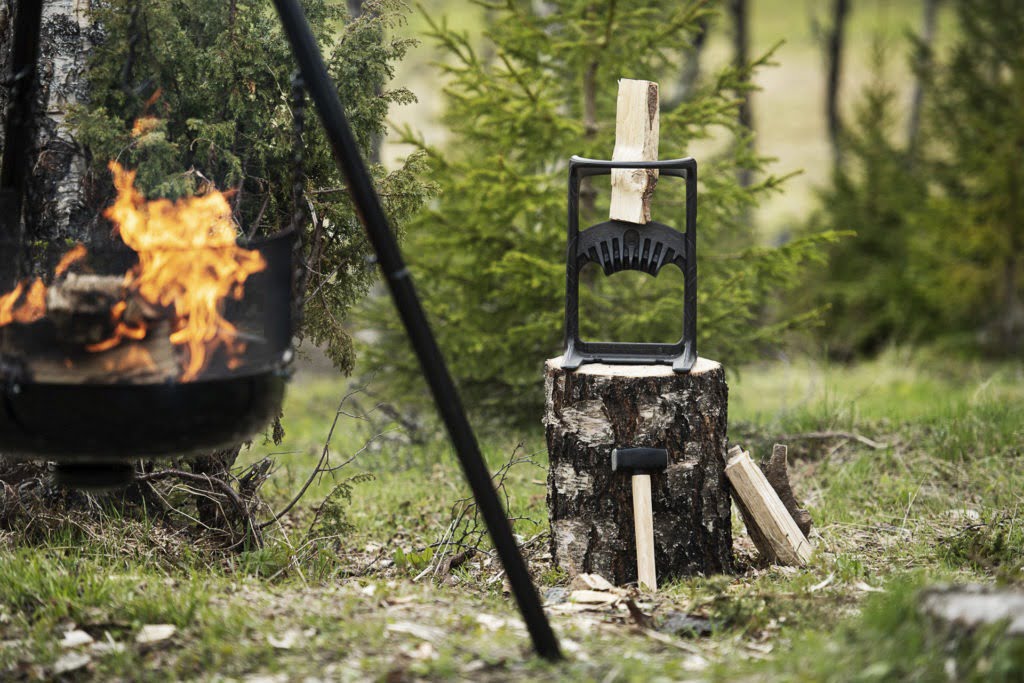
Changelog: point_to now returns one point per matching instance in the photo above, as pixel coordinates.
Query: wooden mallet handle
(643, 525)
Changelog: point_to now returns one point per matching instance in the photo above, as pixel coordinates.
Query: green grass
(939, 503)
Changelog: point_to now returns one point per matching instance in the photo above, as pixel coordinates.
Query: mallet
(641, 462)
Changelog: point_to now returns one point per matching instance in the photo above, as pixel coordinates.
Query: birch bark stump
(592, 410)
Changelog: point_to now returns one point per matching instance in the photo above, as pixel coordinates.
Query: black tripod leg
(325, 96)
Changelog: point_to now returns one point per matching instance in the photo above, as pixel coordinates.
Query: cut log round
(599, 407)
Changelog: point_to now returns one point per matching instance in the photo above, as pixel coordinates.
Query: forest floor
(361, 594)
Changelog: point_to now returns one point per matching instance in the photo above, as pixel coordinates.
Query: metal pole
(325, 96)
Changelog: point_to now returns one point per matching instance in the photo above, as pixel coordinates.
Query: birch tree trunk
(56, 206)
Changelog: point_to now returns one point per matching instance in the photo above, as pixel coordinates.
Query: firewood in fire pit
(80, 307)
(153, 359)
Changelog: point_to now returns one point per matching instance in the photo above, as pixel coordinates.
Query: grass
(939, 503)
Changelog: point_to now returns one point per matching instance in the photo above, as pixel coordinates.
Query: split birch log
(599, 407)
(768, 521)
(636, 139)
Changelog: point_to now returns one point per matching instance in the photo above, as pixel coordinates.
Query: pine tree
(975, 142)
(489, 254)
(869, 283)
(939, 251)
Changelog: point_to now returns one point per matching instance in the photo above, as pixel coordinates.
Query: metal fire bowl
(76, 423)
(95, 423)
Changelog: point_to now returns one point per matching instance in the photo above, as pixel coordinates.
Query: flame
(188, 262)
(188, 265)
(15, 309)
(75, 254)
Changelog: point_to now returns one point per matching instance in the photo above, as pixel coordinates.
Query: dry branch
(851, 436)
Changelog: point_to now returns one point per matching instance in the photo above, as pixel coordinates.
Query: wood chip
(75, 638)
(588, 597)
(865, 588)
(594, 582)
(421, 631)
(71, 661)
(154, 633)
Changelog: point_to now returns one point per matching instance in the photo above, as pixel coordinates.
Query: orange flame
(188, 262)
(188, 265)
(74, 255)
(14, 308)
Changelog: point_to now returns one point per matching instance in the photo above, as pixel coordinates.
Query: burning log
(72, 344)
(80, 305)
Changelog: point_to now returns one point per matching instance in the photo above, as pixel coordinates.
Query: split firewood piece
(776, 470)
(783, 541)
(636, 139)
(753, 531)
(79, 306)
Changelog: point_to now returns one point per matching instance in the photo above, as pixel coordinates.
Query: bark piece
(784, 541)
(599, 407)
(636, 139)
(776, 470)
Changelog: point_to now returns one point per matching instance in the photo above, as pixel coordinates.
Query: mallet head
(639, 460)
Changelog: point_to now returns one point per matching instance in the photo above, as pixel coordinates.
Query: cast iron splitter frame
(617, 246)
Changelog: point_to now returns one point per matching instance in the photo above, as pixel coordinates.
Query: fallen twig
(851, 436)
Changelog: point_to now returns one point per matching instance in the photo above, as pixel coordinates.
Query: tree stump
(599, 407)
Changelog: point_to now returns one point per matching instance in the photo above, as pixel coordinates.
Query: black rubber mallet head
(640, 463)
(639, 460)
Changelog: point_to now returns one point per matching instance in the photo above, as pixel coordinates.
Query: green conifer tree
(939, 251)
(217, 78)
(489, 254)
(975, 137)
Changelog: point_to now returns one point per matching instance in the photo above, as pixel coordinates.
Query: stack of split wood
(777, 525)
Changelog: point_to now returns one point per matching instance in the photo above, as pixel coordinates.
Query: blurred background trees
(939, 213)
(489, 254)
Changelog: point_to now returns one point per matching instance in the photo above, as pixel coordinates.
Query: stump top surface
(700, 367)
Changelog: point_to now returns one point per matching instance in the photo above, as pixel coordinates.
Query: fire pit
(161, 337)
(77, 381)
(167, 337)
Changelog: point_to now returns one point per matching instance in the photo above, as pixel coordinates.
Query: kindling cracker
(618, 245)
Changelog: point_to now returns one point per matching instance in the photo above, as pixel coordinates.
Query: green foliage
(489, 254)
(332, 516)
(215, 78)
(940, 227)
(994, 544)
(868, 282)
